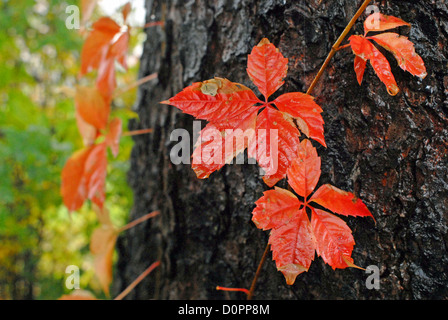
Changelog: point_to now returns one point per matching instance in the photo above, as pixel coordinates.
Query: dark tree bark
(390, 151)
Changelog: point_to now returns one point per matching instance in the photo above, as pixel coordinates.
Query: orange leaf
(275, 145)
(214, 100)
(334, 240)
(275, 208)
(367, 51)
(114, 135)
(74, 186)
(360, 68)
(92, 107)
(267, 67)
(219, 143)
(97, 44)
(291, 238)
(106, 81)
(341, 202)
(381, 22)
(88, 132)
(304, 172)
(293, 246)
(102, 245)
(404, 52)
(87, 7)
(308, 113)
(95, 173)
(119, 49)
(126, 10)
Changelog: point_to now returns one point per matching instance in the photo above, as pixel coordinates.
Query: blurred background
(39, 66)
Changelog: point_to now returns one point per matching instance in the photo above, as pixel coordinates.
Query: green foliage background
(39, 65)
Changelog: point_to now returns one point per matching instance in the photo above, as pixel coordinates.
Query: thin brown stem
(138, 221)
(136, 132)
(137, 83)
(336, 45)
(257, 274)
(233, 289)
(137, 281)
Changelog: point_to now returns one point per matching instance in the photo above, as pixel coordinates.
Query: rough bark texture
(390, 151)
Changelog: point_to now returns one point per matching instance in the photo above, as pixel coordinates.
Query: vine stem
(137, 281)
(257, 274)
(136, 132)
(338, 42)
(138, 221)
(137, 83)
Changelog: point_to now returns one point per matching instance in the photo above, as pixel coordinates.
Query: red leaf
(74, 186)
(95, 172)
(308, 113)
(404, 52)
(267, 67)
(102, 246)
(334, 240)
(126, 10)
(88, 132)
(114, 135)
(381, 22)
(106, 81)
(92, 107)
(360, 68)
(97, 44)
(291, 239)
(214, 100)
(367, 51)
(275, 145)
(119, 49)
(293, 246)
(304, 172)
(87, 7)
(341, 202)
(218, 144)
(276, 208)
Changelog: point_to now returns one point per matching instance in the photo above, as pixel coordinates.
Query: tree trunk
(389, 151)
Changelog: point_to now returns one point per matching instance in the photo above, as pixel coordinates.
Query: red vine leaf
(404, 52)
(83, 177)
(360, 68)
(114, 135)
(88, 132)
(293, 246)
(380, 22)
(334, 239)
(276, 208)
(308, 114)
(126, 10)
(233, 106)
(87, 8)
(102, 246)
(219, 143)
(95, 172)
(340, 201)
(267, 67)
(275, 145)
(304, 172)
(293, 237)
(365, 50)
(399, 46)
(97, 44)
(214, 100)
(92, 108)
(74, 186)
